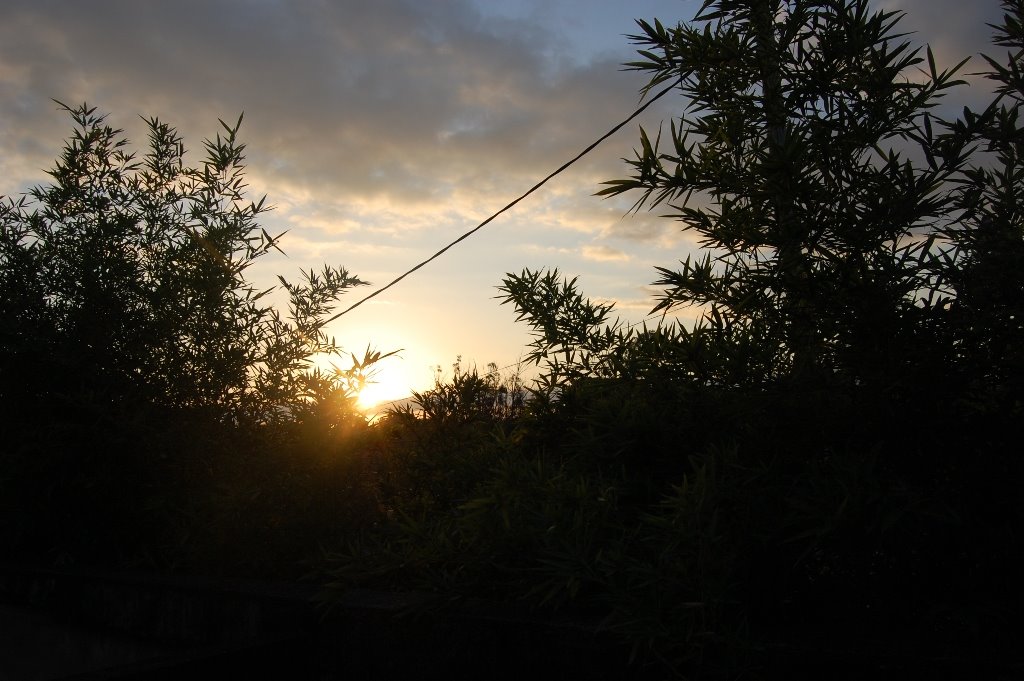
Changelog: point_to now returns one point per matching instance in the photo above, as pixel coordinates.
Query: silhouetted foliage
(825, 457)
(125, 278)
(792, 166)
(828, 451)
(982, 269)
(136, 352)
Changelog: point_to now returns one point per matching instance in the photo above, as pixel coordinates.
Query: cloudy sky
(382, 130)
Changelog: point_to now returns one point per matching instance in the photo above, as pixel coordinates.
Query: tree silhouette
(125, 280)
(791, 164)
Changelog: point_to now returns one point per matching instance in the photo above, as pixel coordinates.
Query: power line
(532, 189)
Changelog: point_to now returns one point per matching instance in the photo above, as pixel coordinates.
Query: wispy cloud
(382, 130)
(601, 253)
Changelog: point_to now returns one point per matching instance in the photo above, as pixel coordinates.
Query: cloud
(384, 129)
(954, 29)
(642, 306)
(393, 107)
(547, 250)
(602, 253)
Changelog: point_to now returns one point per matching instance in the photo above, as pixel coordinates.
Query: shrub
(136, 352)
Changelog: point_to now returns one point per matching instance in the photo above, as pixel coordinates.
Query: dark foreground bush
(149, 393)
(825, 461)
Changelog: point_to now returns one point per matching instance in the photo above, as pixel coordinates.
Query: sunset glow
(661, 338)
(375, 158)
(388, 384)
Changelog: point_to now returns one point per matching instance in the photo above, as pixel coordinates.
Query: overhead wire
(639, 110)
(532, 189)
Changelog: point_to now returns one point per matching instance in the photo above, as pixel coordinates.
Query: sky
(382, 130)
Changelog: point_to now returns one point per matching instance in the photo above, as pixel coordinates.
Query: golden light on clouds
(604, 254)
(382, 130)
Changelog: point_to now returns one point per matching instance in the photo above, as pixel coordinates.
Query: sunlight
(387, 381)
(390, 383)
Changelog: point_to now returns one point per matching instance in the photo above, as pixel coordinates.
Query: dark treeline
(826, 455)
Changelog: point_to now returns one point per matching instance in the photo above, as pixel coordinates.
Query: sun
(384, 386)
(387, 382)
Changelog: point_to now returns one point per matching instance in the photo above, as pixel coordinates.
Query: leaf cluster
(126, 277)
(144, 378)
(793, 165)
